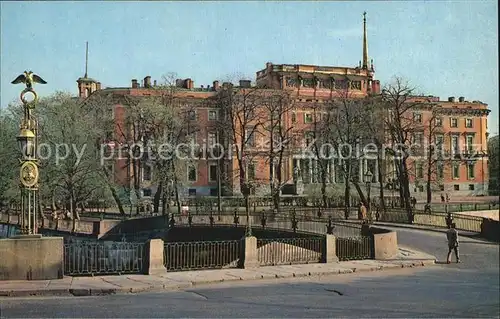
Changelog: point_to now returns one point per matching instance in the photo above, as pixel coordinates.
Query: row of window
(326, 84)
(456, 187)
(213, 115)
(438, 121)
(192, 172)
(418, 138)
(455, 170)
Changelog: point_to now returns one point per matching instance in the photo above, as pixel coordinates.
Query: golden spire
(365, 45)
(86, 58)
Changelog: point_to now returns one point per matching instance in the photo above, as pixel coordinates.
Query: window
(455, 170)
(308, 118)
(453, 122)
(417, 117)
(309, 138)
(454, 144)
(192, 174)
(470, 170)
(468, 123)
(212, 172)
(418, 138)
(146, 173)
(420, 170)
(440, 170)
(193, 138)
(192, 115)
(471, 187)
(192, 192)
(439, 142)
(251, 171)
(146, 192)
(421, 188)
(441, 187)
(250, 137)
(212, 115)
(439, 121)
(470, 142)
(456, 187)
(214, 192)
(294, 117)
(212, 139)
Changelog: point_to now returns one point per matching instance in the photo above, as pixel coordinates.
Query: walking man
(452, 236)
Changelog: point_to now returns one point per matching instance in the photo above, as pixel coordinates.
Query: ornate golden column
(27, 139)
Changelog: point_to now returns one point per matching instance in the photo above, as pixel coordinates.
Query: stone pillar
(329, 254)
(248, 255)
(31, 257)
(153, 261)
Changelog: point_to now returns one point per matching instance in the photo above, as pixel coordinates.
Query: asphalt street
(465, 290)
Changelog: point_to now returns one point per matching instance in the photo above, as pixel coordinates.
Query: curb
(165, 288)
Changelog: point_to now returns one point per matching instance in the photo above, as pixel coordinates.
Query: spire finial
(365, 44)
(86, 58)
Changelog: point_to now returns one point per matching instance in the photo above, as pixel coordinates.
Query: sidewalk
(105, 285)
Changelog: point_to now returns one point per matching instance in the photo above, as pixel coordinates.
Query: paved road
(469, 289)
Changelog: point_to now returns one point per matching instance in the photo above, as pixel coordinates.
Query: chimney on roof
(461, 99)
(147, 81)
(216, 86)
(245, 83)
(135, 85)
(451, 99)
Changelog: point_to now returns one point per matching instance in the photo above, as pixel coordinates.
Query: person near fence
(452, 236)
(361, 212)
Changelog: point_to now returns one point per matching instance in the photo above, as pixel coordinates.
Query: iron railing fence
(354, 248)
(463, 222)
(288, 251)
(179, 256)
(102, 258)
(279, 222)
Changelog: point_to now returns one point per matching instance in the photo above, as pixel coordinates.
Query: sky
(442, 48)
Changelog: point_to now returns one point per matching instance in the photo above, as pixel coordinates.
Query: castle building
(459, 128)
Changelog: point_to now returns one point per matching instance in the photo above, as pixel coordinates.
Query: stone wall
(384, 242)
(490, 229)
(31, 258)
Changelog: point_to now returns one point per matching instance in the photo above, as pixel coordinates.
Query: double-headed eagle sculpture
(28, 78)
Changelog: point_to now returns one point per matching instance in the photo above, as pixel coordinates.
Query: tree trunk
(40, 212)
(113, 192)
(347, 196)
(381, 167)
(429, 177)
(157, 197)
(323, 187)
(164, 203)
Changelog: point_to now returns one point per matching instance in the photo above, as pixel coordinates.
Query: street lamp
(368, 182)
(27, 140)
(26, 143)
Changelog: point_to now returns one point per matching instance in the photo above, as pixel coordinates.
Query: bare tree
(73, 172)
(277, 105)
(400, 123)
(435, 161)
(240, 126)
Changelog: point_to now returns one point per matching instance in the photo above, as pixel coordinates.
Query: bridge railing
(99, 258)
